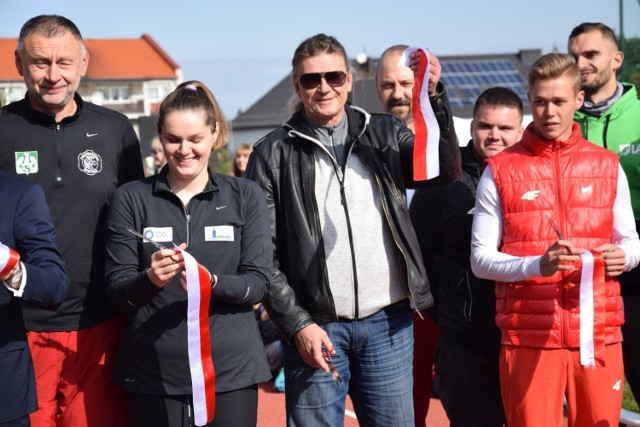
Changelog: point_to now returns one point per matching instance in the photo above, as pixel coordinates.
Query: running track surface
(271, 412)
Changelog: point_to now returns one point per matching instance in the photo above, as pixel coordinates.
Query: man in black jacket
(78, 153)
(466, 364)
(345, 253)
(394, 84)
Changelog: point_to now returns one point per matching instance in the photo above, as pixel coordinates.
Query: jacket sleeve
(426, 216)
(127, 287)
(281, 302)
(46, 279)
(448, 149)
(250, 283)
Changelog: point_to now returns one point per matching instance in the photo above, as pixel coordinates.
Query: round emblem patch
(90, 162)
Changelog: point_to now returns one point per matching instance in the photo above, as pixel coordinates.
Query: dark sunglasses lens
(310, 81)
(335, 78)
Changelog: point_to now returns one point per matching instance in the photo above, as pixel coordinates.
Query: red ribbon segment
(426, 164)
(199, 341)
(9, 258)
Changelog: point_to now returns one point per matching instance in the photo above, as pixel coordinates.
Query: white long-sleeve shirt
(488, 262)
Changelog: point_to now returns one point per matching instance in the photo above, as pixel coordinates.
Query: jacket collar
(357, 121)
(471, 164)
(49, 119)
(533, 143)
(620, 107)
(161, 183)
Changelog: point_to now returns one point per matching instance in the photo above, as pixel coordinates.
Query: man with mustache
(610, 118)
(394, 85)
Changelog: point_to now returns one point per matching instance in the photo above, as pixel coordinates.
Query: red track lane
(271, 412)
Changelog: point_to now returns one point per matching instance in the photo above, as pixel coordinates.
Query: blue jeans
(374, 358)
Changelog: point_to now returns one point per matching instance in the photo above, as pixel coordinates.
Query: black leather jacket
(283, 163)
(442, 218)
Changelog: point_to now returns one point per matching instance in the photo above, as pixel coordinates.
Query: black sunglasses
(312, 80)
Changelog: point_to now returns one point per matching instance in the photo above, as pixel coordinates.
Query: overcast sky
(240, 49)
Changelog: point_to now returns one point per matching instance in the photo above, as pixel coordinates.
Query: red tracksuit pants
(534, 381)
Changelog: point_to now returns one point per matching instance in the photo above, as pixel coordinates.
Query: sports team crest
(26, 162)
(90, 162)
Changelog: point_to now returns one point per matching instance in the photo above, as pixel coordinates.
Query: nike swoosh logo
(89, 135)
(220, 207)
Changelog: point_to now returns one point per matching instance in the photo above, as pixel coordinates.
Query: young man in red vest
(554, 228)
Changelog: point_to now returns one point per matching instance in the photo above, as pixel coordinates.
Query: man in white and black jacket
(346, 256)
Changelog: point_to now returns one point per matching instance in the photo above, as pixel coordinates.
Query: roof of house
(465, 77)
(109, 59)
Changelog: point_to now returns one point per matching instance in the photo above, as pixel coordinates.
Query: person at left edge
(224, 222)
(39, 278)
(78, 153)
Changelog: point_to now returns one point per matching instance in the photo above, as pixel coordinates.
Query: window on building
(156, 93)
(114, 94)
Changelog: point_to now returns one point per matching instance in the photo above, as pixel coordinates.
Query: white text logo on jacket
(158, 234)
(530, 195)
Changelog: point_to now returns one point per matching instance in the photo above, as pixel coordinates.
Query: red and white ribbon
(592, 310)
(426, 162)
(199, 343)
(8, 259)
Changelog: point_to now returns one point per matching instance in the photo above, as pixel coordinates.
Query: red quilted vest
(575, 181)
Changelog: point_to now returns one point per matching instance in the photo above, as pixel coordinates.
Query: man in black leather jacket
(345, 253)
(466, 363)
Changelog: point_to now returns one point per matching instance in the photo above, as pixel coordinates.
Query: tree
(630, 71)
(220, 161)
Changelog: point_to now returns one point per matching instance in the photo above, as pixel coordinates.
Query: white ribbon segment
(194, 340)
(587, 350)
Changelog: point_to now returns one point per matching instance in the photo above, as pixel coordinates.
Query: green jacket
(619, 130)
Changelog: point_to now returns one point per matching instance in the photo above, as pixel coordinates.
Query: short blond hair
(554, 66)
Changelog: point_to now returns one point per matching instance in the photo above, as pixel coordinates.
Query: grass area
(628, 402)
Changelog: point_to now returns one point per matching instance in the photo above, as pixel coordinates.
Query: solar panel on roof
(466, 79)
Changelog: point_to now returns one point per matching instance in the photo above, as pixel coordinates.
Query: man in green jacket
(610, 117)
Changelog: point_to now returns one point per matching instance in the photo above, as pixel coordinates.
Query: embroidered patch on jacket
(26, 162)
(586, 191)
(90, 162)
(158, 234)
(218, 233)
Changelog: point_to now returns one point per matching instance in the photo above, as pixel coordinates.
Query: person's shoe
(278, 384)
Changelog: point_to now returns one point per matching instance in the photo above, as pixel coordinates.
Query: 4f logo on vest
(26, 162)
(90, 162)
(530, 195)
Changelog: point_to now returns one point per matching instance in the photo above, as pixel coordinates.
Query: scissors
(554, 226)
(332, 369)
